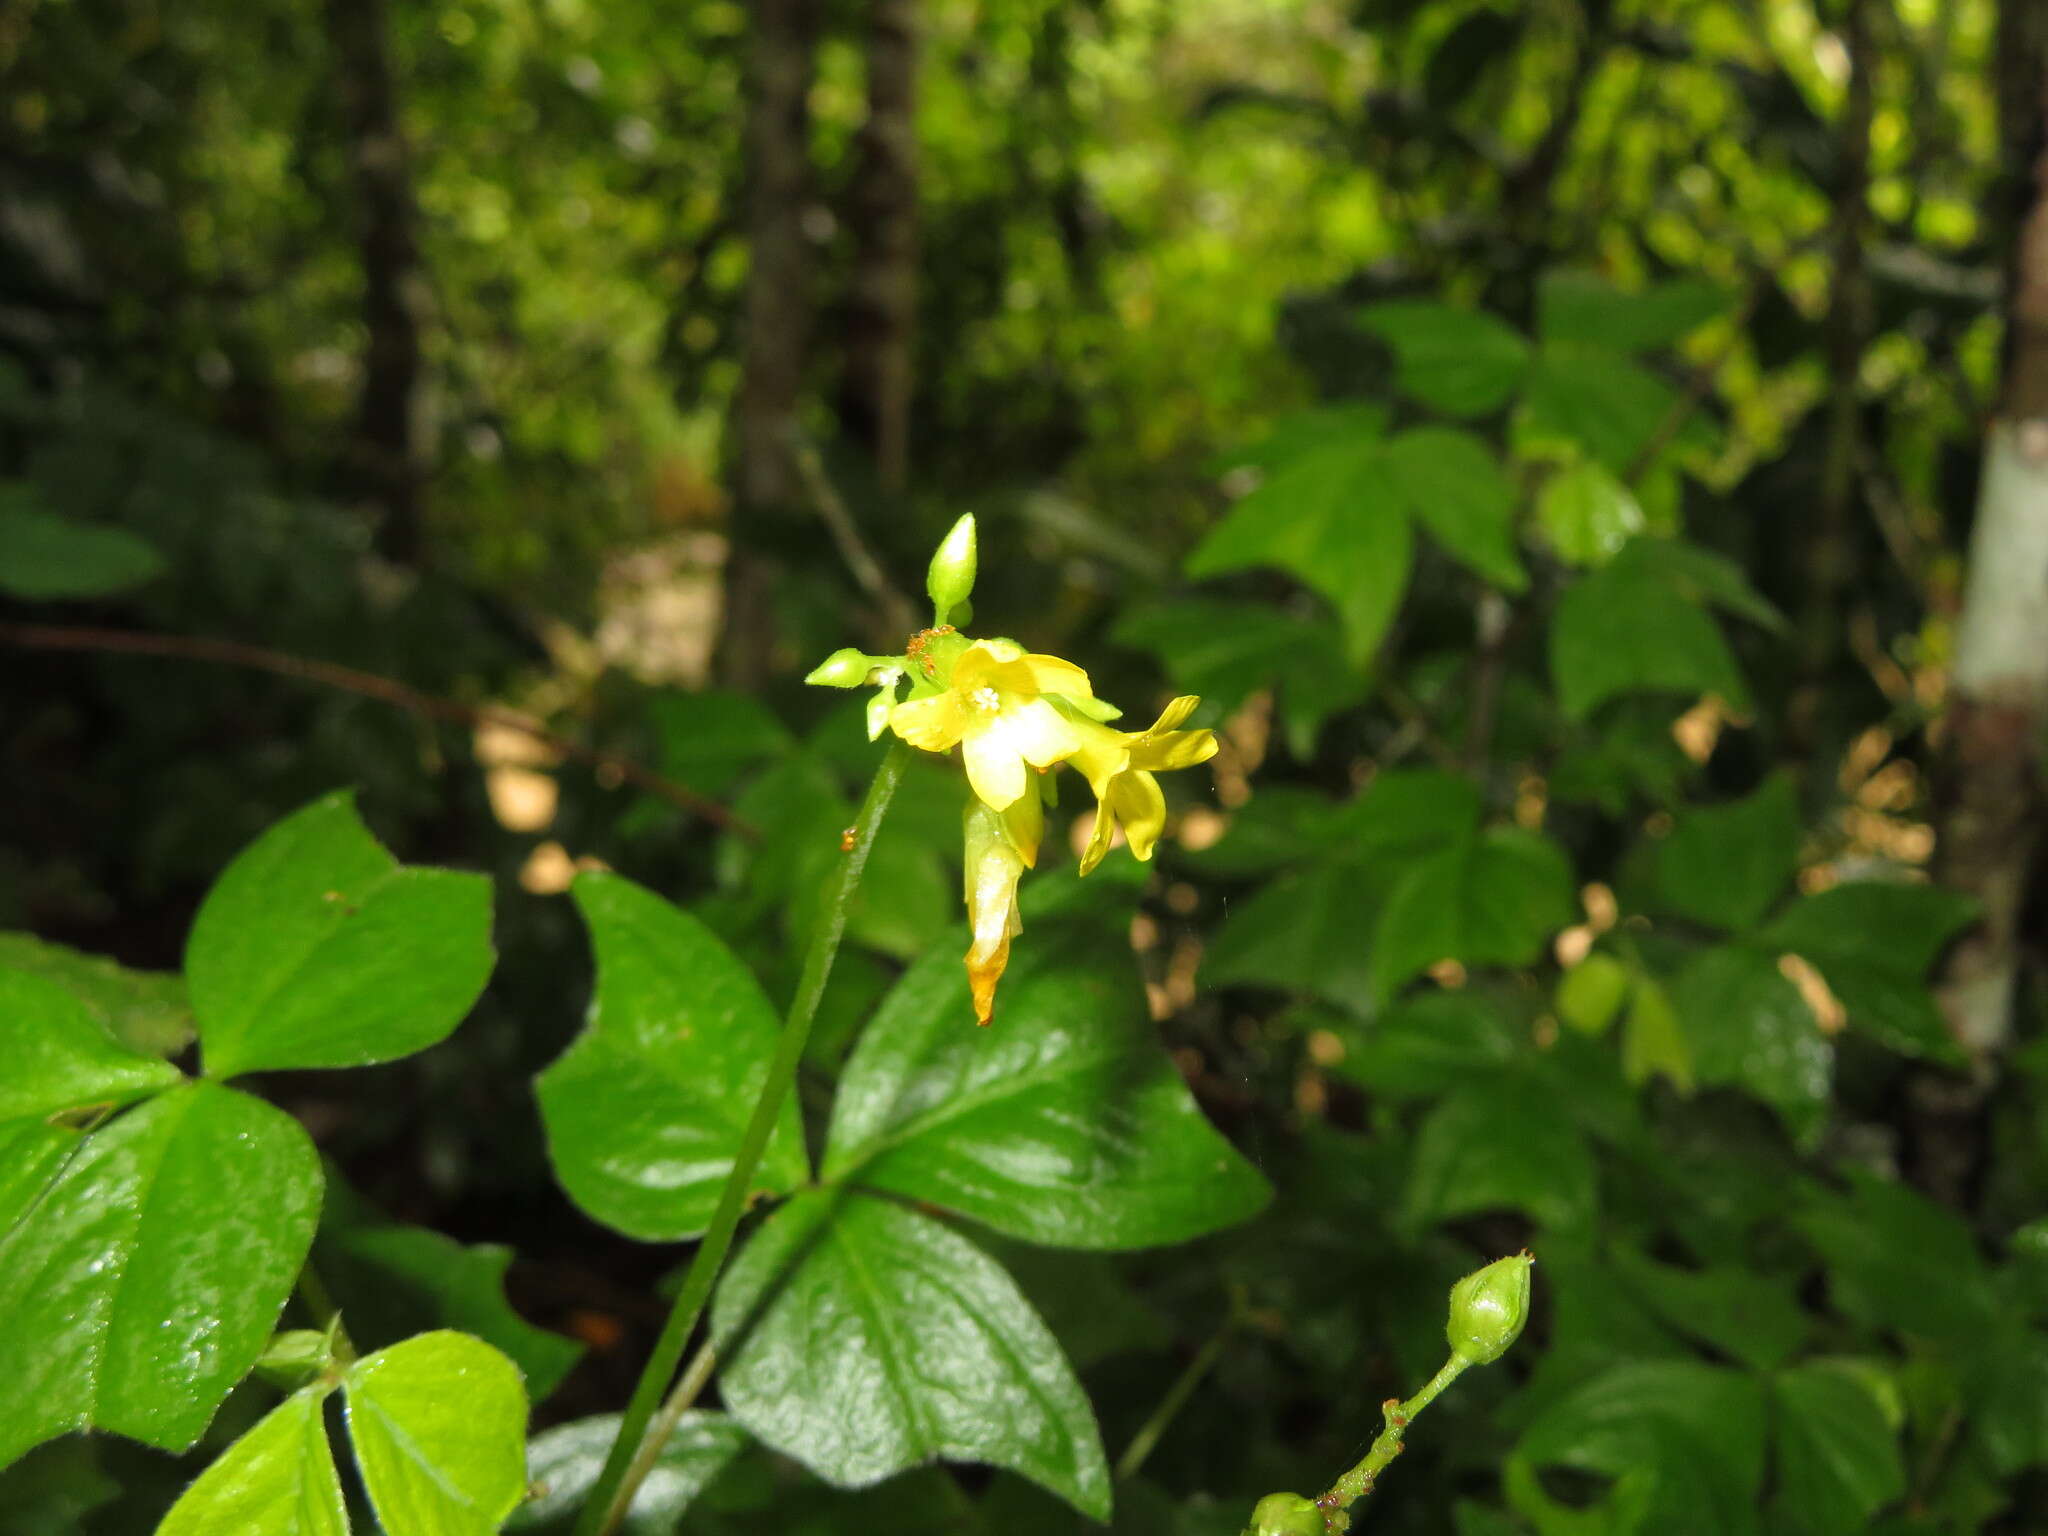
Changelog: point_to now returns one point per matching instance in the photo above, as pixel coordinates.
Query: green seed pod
(845, 668)
(1488, 1308)
(1287, 1514)
(951, 577)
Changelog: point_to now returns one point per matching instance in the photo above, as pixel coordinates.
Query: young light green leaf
(1454, 486)
(564, 1463)
(1063, 1124)
(144, 1010)
(1589, 995)
(1836, 1460)
(144, 1283)
(1588, 514)
(645, 1110)
(317, 949)
(277, 1480)
(1874, 941)
(45, 557)
(1490, 900)
(1461, 362)
(1653, 1039)
(863, 1339)
(59, 1058)
(1726, 865)
(438, 1424)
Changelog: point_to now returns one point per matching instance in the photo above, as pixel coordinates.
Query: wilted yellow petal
(993, 869)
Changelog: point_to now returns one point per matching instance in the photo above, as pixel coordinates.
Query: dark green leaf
(1304, 932)
(709, 739)
(1493, 900)
(1228, 651)
(1304, 432)
(1461, 362)
(645, 1110)
(1588, 514)
(1331, 520)
(138, 1314)
(438, 1424)
(144, 1010)
(864, 1339)
(59, 1058)
(1411, 810)
(1701, 576)
(1494, 1144)
(1581, 307)
(44, 557)
(1428, 1044)
(1481, 40)
(1454, 486)
(277, 1480)
(1062, 1124)
(1748, 1316)
(1874, 941)
(317, 949)
(1837, 1461)
(564, 1463)
(54, 1487)
(1749, 1027)
(1897, 1260)
(1592, 402)
(1725, 865)
(1280, 825)
(1626, 628)
(1653, 1039)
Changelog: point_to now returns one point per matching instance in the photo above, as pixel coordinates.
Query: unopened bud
(846, 668)
(951, 577)
(295, 1357)
(1488, 1308)
(1287, 1514)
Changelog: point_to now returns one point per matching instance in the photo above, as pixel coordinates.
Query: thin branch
(370, 685)
(897, 613)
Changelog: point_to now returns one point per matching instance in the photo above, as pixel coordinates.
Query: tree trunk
(767, 488)
(385, 456)
(882, 309)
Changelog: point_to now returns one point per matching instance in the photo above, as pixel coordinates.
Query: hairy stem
(1359, 1481)
(628, 1463)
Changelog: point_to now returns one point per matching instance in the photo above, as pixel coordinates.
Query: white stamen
(985, 699)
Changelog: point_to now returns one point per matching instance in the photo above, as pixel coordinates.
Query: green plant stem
(612, 1493)
(663, 1424)
(1176, 1397)
(1358, 1482)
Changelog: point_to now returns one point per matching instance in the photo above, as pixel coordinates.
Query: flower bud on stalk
(950, 578)
(1488, 1308)
(1287, 1514)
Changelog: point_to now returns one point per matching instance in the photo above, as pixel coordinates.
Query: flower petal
(1050, 674)
(1037, 732)
(994, 767)
(1176, 749)
(1141, 808)
(1170, 718)
(933, 723)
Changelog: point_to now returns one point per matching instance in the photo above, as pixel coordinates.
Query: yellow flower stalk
(1119, 767)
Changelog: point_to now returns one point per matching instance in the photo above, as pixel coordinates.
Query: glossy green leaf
(863, 1339)
(60, 1058)
(1492, 900)
(1749, 1027)
(1874, 942)
(277, 1480)
(563, 1464)
(1455, 488)
(1697, 1429)
(1331, 520)
(1588, 514)
(1726, 865)
(392, 1281)
(1582, 307)
(1749, 1317)
(645, 1110)
(1062, 1123)
(1495, 1144)
(1626, 628)
(1836, 1462)
(1590, 994)
(438, 1424)
(144, 1010)
(32, 1154)
(45, 557)
(1460, 362)
(145, 1283)
(317, 949)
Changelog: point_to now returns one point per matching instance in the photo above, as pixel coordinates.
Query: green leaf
(1590, 994)
(145, 1283)
(1698, 1429)
(54, 1487)
(1460, 362)
(144, 1010)
(1412, 810)
(438, 1424)
(1063, 1124)
(1302, 933)
(863, 1339)
(1592, 402)
(644, 1112)
(1331, 520)
(1426, 1045)
(59, 1058)
(1653, 1041)
(1297, 435)
(44, 557)
(1495, 1144)
(392, 1281)
(1873, 942)
(277, 1480)
(1837, 1461)
(1582, 307)
(564, 1464)
(1701, 576)
(708, 740)
(1725, 865)
(1749, 1317)
(1749, 1027)
(1454, 486)
(32, 1154)
(1897, 1260)
(317, 949)
(1588, 514)
(1493, 900)
(1628, 628)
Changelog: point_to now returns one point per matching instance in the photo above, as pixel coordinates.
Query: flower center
(985, 699)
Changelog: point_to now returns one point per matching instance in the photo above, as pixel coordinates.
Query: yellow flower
(1119, 766)
(1000, 844)
(995, 710)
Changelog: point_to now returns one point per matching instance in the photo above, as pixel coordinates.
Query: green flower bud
(845, 668)
(1287, 1514)
(295, 1357)
(1488, 1308)
(951, 577)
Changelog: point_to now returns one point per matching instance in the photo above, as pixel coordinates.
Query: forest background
(1569, 415)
